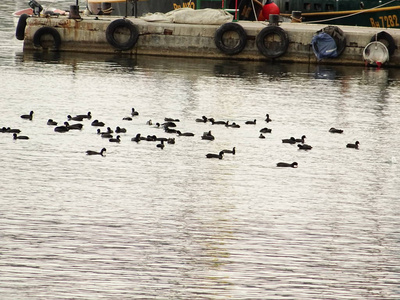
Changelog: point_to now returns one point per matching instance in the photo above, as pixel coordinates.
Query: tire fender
(133, 34)
(386, 39)
(37, 37)
(219, 38)
(279, 47)
(20, 30)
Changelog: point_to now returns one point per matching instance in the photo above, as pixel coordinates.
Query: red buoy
(270, 8)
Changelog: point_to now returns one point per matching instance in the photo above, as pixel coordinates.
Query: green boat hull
(370, 13)
(385, 14)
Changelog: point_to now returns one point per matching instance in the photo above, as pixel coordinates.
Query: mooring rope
(254, 10)
(357, 13)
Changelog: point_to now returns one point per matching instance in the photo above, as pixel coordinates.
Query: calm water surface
(147, 223)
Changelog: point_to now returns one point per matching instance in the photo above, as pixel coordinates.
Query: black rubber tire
(20, 30)
(219, 41)
(37, 37)
(122, 23)
(276, 51)
(387, 40)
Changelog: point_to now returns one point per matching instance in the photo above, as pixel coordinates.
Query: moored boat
(30, 12)
(369, 13)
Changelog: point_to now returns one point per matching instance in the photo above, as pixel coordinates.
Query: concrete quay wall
(88, 35)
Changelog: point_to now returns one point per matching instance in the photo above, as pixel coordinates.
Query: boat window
(329, 7)
(317, 7)
(307, 6)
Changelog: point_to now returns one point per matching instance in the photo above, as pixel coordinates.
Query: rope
(357, 13)
(254, 10)
(296, 20)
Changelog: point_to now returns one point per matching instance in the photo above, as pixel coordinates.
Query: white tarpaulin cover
(191, 16)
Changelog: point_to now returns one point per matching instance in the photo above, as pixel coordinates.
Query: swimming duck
(87, 116)
(12, 130)
(171, 120)
(261, 136)
(219, 155)
(161, 145)
(251, 122)
(76, 118)
(203, 119)
(304, 147)
(150, 138)
(301, 140)
(355, 145)
(171, 141)
(207, 136)
(233, 125)
(292, 140)
(267, 118)
(149, 122)
(169, 124)
(120, 130)
(184, 133)
(109, 130)
(137, 138)
(170, 130)
(97, 123)
(61, 129)
(105, 134)
(127, 119)
(115, 140)
(51, 122)
(134, 112)
(28, 117)
(20, 137)
(76, 126)
(266, 130)
(213, 122)
(91, 152)
(283, 164)
(334, 130)
(233, 151)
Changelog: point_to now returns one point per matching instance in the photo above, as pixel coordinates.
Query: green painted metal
(371, 13)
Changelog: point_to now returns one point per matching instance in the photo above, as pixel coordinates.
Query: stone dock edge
(88, 35)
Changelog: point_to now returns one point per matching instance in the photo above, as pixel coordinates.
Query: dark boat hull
(369, 13)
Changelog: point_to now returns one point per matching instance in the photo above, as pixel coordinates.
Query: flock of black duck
(169, 126)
